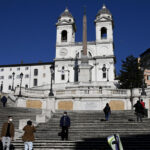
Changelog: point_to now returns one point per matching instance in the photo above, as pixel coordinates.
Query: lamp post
(107, 74)
(51, 85)
(131, 96)
(68, 75)
(21, 76)
(13, 74)
(143, 93)
(95, 65)
(2, 86)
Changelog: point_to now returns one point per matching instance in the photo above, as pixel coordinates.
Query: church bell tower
(104, 25)
(65, 28)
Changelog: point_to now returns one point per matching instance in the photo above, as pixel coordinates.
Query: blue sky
(28, 31)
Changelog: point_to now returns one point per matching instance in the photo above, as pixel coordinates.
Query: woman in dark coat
(107, 111)
(28, 136)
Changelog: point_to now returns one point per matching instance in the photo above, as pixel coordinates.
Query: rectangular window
(148, 77)
(1, 77)
(104, 75)
(2, 69)
(35, 82)
(35, 72)
(10, 77)
(62, 77)
(18, 69)
(9, 87)
(26, 68)
(26, 86)
(18, 76)
(26, 76)
(44, 75)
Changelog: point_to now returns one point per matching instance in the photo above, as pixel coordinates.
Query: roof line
(27, 64)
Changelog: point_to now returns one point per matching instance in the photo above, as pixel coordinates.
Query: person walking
(64, 124)
(144, 113)
(138, 110)
(7, 133)
(142, 103)
(28, 136)
(107, 111)
(4, 101)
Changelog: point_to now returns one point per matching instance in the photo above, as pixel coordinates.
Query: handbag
(12, 147)
(59, 133)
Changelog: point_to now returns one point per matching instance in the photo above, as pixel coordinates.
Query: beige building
(145, 60)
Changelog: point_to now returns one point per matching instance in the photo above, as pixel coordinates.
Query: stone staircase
(17, 113)
(89, 132)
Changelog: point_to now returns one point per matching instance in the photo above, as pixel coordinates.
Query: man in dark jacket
(139, 111)
(64, 124)
(7, 133)
(4, 100)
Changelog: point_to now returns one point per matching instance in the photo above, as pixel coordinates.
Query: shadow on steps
(136, 142)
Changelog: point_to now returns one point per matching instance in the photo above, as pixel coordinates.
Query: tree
(130, 75)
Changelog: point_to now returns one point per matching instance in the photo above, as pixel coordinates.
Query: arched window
(103, 33)
(64, 36)
(104, 71)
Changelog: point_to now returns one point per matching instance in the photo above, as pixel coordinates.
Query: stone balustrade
(82, 91)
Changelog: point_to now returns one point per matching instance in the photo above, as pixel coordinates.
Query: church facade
(100, 52)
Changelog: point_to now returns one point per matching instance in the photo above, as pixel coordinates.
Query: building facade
(100, 52)
(145, 65)
(35, 74)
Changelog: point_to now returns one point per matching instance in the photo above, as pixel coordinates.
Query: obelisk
(84, 67)
(84, 58)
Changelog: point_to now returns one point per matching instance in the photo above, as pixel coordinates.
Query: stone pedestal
(85, 73)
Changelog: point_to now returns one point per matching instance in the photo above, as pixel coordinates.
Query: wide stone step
(96, 144)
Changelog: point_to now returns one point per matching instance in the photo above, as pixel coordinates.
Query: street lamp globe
(21, 75)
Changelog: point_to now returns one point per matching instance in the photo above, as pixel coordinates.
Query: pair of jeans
(107, 116)
(28, 145)
(139, 117)
(6, 142)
